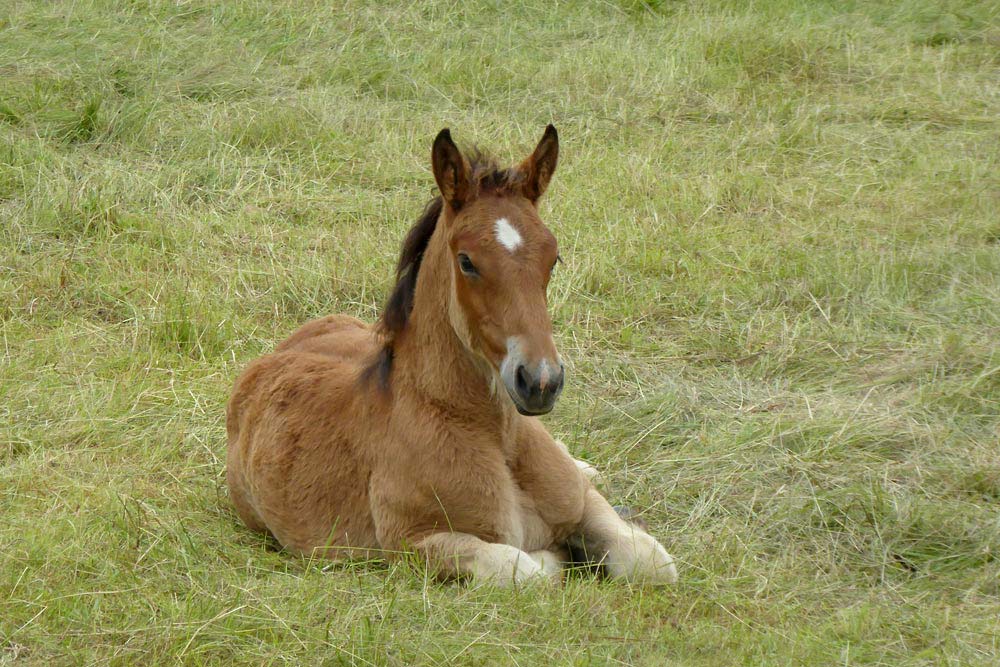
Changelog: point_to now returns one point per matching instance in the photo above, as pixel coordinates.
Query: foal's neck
(430, 357)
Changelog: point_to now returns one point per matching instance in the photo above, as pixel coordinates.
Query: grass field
(780, 308)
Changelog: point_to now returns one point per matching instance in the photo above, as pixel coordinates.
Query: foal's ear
(451, 171)
(540, 166)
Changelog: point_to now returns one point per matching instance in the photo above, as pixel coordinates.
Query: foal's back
(294, 467)
(337, 336)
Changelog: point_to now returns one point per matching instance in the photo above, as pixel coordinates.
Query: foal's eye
(464, 263)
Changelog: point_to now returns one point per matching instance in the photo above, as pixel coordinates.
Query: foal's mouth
(529, 413)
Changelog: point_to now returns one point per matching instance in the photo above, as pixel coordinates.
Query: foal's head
(497, 257)
(501, 256)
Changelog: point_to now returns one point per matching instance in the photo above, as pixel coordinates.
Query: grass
(780, 306)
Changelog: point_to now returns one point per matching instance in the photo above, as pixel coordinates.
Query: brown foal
(420, 434)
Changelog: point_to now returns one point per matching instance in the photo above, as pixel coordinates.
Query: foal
(420, 433)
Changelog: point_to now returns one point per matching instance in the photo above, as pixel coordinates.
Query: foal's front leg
(462, 554)
(626, 551)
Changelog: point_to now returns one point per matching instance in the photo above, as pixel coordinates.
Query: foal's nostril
(523, 381)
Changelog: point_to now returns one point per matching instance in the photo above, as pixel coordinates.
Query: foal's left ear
(540, 166)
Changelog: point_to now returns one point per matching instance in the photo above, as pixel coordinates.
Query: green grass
(780, 306)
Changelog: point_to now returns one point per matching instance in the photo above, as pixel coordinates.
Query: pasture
(779, 307)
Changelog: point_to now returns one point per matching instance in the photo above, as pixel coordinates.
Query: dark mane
(400, 303)
(489, 179)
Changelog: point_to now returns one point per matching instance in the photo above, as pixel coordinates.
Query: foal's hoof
(634, 555)
(552, 564)
(639, 558)
(530, 573)
(507, 566)
(590, 559)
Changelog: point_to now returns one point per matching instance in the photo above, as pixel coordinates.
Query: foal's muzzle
(536, 386)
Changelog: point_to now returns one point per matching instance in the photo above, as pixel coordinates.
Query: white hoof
(639, 558)
(551, 564)
(505, 566)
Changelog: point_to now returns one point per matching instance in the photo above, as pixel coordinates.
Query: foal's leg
(457, 554)
(629, 552)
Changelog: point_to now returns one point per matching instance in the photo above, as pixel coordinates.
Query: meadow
(779, 307)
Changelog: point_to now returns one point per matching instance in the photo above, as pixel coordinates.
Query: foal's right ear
(451, 171)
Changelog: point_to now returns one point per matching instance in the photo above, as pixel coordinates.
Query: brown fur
(435, 458)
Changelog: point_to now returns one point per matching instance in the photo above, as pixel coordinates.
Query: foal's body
(299, 467)
(352, 440)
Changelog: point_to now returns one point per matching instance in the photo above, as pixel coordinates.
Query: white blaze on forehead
(507, 235)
